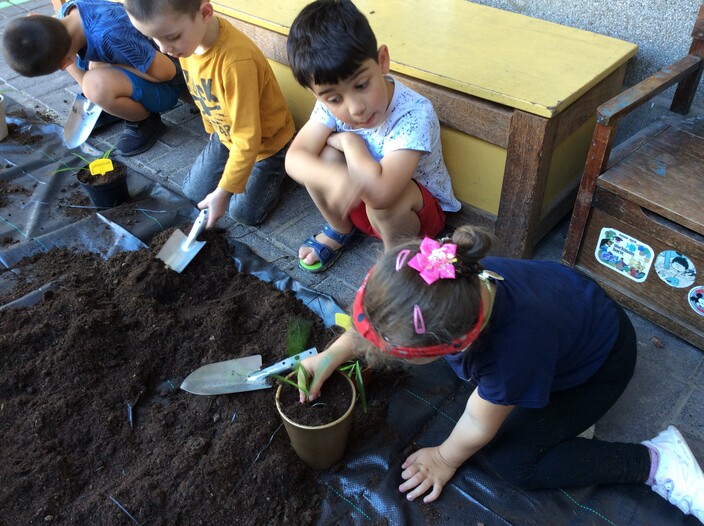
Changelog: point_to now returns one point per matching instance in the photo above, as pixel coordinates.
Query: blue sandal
(327, 256)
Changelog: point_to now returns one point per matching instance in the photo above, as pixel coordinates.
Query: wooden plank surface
(665, 176)
(523, 189)
(525, 63)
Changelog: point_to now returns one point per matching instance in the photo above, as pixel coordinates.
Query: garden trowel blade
(225, 377)
(179, 249)
(238, 375)
(80, 121)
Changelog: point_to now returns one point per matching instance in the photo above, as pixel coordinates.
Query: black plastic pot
(112, 192)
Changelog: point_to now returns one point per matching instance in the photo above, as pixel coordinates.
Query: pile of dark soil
(93, 426)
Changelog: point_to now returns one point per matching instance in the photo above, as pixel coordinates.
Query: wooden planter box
(654, 298)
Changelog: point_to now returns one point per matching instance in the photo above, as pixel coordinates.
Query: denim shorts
(156, 97)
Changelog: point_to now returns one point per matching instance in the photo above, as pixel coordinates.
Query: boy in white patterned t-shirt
(370, 154)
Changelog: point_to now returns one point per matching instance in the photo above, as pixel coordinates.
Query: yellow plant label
(101, 167)
(343, 320)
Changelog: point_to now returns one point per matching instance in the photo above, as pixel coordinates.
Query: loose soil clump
(93, 426)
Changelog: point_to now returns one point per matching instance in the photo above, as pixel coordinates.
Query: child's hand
(319, 367)
(216, 202)
(322, 365)
(336, 140)
(424, 470)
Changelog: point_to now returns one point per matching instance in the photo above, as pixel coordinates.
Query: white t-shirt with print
(411, 124)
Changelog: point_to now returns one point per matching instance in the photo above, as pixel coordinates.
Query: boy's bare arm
(382, 182)
(303, 161)
(161, 70)
(76, 72)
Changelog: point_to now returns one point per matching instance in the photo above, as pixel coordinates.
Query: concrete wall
(662, 29)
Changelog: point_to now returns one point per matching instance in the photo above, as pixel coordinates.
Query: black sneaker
(139, 136)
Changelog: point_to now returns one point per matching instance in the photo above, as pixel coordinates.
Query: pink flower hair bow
(434, 261)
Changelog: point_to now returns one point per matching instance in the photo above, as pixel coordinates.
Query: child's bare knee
(97, 89)
(380, 215)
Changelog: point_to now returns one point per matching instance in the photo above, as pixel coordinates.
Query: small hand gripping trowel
(179, 249)
(238, 375)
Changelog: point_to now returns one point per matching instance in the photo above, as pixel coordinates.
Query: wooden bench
(516, 97)
(649, 193)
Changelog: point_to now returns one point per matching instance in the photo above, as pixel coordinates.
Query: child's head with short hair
(179, 27)
(409, 317)
(146, 10)
(328, 42)
(36, 45)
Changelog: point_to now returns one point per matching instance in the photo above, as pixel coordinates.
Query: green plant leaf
(297, 335)
(105, 155)
(302, 377)
(353, 370)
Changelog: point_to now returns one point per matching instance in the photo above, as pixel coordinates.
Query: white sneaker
(678, 478)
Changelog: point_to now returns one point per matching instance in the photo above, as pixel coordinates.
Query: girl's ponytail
(400, 306)
(472, 245)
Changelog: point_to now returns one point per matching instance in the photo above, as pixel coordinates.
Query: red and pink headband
(433, 262)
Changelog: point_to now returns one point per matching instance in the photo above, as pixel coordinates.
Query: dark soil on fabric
(22, 137)
(94, 429)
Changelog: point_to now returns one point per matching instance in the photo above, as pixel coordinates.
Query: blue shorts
(156, 97)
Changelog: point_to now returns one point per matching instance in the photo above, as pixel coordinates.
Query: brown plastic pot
(320, 447)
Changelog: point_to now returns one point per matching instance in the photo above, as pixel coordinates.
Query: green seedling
(353, 370)
(297, 335)
(98, 161)
(296, 340)
(302, 379)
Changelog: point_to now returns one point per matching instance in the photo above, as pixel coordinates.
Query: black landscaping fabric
(363, 489)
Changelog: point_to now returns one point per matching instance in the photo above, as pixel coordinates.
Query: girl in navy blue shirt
(549, 352)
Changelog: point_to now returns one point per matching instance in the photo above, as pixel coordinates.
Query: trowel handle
(282, 366)
(198, 227)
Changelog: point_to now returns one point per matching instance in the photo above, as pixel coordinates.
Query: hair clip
(488, 275)
(434, 261)
(418, 321)
(401, 258)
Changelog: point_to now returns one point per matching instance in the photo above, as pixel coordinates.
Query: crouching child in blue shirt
(116, 66)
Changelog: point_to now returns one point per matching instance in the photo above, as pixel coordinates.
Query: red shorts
(432, 218)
